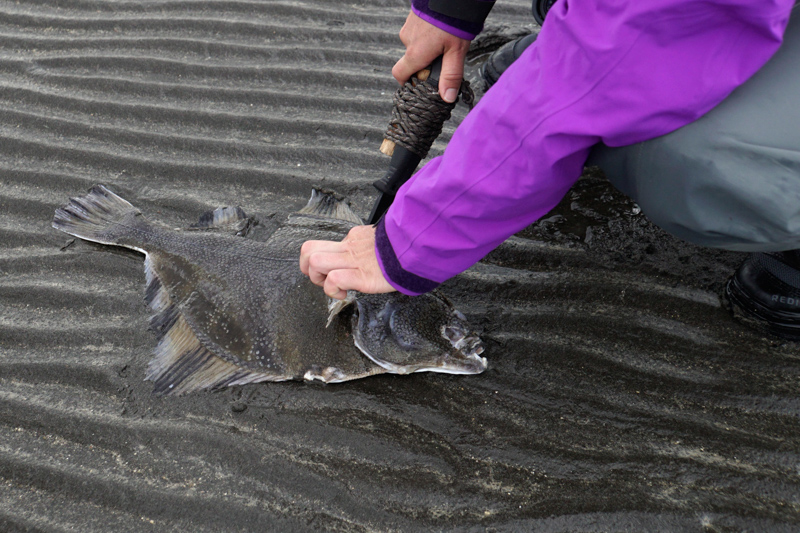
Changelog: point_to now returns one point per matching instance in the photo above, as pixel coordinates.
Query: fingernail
(450, 95)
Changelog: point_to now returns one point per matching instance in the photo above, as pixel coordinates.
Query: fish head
(405, 334)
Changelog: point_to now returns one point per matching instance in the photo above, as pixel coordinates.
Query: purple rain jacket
(616, 71)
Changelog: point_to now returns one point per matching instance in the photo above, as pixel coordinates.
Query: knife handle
(404, 162)
(432, 73)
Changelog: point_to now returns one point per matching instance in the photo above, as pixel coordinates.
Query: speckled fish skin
(231, 311)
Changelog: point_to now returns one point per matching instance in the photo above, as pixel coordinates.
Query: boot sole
(757, 316)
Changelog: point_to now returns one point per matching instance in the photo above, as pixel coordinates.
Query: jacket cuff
(402, 280)
(441, 13)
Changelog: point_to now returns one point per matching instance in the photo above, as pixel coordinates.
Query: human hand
(351, 264)
(425, 42)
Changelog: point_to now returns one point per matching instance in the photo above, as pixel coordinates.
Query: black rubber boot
(502, 58)
(764, 293)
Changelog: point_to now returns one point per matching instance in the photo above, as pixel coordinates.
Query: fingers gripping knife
(417, 119)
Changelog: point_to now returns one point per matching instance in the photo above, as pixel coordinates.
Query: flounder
(231, 310)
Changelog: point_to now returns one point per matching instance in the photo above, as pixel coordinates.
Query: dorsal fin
(328, 204)
(232, 219)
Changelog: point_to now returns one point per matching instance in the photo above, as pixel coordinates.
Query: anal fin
(181, 363)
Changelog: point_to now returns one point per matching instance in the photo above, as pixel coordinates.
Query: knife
(404, 161)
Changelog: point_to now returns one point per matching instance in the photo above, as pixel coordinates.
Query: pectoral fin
(228, 219)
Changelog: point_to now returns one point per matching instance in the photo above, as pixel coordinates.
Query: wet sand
(621, 395)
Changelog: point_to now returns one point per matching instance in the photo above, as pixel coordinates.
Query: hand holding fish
(347, 265)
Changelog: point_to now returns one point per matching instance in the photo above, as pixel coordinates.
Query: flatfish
(229, 310)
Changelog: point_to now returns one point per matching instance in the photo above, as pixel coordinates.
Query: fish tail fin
(91, 217)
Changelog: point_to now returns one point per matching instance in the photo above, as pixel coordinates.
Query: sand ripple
(620, 393)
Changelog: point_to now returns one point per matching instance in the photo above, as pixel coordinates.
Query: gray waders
(731, 179)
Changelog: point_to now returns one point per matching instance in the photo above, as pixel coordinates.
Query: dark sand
(621, 395)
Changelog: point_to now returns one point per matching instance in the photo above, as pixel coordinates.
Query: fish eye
(453, 334)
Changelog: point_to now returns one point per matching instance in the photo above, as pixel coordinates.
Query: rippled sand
(621, 395)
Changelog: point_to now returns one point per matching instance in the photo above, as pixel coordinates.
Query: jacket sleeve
(616, 71)
(462, 21)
